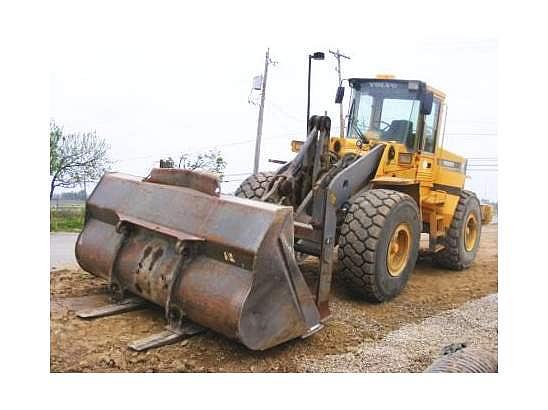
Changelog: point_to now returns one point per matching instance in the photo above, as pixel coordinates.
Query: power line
(234, 180)
(283, 112)
(278, 136)
(136, 158)
(483, 161)
(475, 134)
(229, 144)
(198, 149)
(237, 175)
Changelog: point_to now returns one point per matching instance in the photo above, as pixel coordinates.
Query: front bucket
(224, 262)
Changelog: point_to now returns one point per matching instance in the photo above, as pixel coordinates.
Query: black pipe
(308, 99)
(316, 56)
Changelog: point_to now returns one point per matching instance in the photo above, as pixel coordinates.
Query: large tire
(467, 360)
(254, 186)
(457, 255)
(373, 220)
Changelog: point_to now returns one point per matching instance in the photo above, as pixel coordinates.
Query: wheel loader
(230, 263)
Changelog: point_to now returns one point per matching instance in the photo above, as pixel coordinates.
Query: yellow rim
(398, 250)
(470, 232)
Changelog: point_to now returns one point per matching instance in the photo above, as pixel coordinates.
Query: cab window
(431, 128)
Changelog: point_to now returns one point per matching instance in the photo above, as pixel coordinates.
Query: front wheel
(379, 243)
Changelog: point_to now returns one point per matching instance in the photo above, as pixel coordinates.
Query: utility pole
(338, 56)
(267, 62)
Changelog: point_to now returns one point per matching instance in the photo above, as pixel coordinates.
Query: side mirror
(340, 95)
(427, 100)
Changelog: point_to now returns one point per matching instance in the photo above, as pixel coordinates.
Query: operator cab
(401, 111)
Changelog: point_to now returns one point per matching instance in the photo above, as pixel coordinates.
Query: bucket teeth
(312, 330)
(168, 336)
(172, 334)
(125, 305)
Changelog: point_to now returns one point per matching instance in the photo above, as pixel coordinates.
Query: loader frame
(229, 263)
(329, 190)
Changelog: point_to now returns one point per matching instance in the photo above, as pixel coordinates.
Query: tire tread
(359, 236)
(254, 186)
(450, 257)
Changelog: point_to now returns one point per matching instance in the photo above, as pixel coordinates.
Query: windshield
(384, 110)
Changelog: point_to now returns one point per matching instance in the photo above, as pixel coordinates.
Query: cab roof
(387, 78)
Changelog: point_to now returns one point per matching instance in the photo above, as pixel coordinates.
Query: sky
(153, 85)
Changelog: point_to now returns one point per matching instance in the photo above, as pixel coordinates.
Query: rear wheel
(254, 186)
(463, 237)
(379, 243)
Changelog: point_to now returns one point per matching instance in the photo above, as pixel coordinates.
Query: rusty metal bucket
(223, 262)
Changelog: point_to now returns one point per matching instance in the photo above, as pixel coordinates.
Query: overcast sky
(156, 84)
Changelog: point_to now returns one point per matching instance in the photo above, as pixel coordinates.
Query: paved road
(62, 250)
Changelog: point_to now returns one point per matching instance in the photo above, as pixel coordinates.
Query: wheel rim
(470, 232)
(398, 249)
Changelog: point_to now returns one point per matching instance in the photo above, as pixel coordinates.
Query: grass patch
(66, 219)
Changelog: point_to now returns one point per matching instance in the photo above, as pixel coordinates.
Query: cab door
(427, 146)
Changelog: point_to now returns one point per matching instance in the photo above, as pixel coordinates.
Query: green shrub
(69, 219)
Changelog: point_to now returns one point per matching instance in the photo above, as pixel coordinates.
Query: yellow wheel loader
(229, 262)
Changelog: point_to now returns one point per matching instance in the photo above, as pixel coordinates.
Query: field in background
(66, 216)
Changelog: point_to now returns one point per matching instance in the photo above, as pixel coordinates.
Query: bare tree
(211, 161)
(75, 158)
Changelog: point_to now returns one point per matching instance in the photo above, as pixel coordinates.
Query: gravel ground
(414, 347)
(356, 327)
